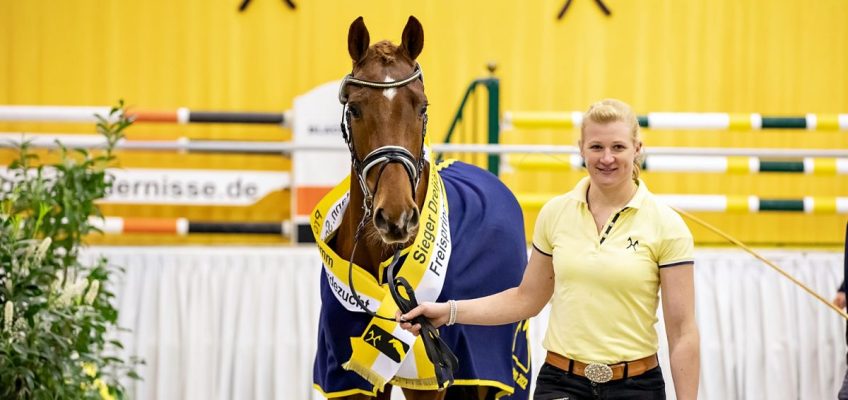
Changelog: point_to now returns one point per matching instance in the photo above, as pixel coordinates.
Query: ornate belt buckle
(598, 373)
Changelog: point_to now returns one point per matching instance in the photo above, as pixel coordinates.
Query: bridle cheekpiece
(386, 154)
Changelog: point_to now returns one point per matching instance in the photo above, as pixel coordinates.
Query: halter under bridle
(444, 361)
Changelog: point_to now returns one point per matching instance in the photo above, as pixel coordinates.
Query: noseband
(386, 154)
(443, 359)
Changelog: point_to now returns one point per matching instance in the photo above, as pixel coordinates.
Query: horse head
(384, 124)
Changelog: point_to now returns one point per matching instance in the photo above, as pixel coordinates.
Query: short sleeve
(677, 246)
(542, 232)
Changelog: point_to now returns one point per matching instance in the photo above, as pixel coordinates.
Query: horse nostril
(412, 222)
(380, 220)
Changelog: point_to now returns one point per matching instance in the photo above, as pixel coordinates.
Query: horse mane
(386, 52)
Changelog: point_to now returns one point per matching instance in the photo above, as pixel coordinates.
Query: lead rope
(439, 353)
(750, 251)
(443, 359)
(359, 229)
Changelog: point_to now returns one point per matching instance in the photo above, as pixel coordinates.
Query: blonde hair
(612, 110)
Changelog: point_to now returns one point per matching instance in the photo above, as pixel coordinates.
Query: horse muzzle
(396, 228)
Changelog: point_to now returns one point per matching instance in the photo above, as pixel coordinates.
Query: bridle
(384, 155)
(443, 359)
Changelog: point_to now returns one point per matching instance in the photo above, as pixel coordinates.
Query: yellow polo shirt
(606, 292)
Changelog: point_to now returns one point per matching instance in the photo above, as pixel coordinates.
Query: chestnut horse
(454, 230)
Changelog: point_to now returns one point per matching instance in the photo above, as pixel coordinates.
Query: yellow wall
(767, 56)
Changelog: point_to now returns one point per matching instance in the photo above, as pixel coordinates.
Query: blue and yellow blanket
(484, 230)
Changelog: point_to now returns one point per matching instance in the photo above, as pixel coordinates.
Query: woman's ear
(639, 156)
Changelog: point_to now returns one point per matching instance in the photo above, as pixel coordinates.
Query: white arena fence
(241, 323)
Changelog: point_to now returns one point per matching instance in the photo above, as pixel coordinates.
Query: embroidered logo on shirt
(632, 244)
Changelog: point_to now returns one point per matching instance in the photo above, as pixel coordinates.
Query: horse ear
(358, 40)
(413, 38)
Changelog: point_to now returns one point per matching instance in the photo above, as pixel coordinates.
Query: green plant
(56, 311)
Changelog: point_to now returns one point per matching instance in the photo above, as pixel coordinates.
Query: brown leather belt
(600, 373)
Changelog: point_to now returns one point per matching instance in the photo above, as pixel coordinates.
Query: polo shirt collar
(580, 191)
(639, 196)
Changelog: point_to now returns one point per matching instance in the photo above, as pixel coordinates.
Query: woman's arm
(678, 299)
(514, 304)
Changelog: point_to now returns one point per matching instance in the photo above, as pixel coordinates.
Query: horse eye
(422, 111)
(354, 111)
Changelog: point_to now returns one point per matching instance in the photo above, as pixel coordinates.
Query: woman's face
(609, 151)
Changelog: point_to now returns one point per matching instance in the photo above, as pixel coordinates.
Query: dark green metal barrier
(492, 86)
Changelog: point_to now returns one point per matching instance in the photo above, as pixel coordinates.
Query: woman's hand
(437, 313)
(839, 300)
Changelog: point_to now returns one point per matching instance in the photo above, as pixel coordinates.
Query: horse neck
(370, 252)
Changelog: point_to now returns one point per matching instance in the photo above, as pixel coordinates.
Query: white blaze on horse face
(391, 92)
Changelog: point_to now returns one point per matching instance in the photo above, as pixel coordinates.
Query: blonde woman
(602, 254)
